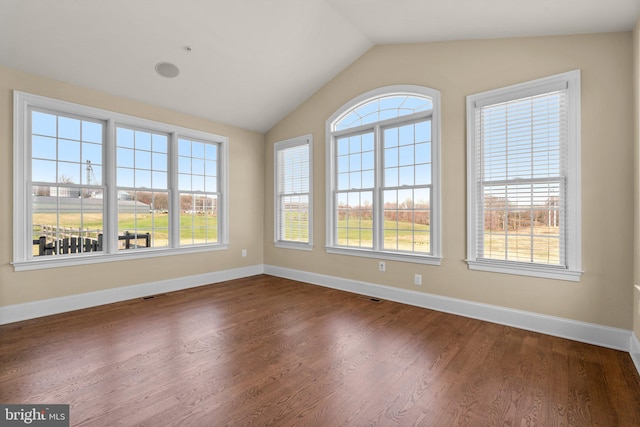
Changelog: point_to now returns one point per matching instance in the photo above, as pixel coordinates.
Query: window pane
(294, 218)
(124, 137)
(198, 219)
(407, 220)
(43, 147)
(423, 174)
(423, 131)
(44, 124)
(69, 159)
(368, 179)
(159, 161)
(66, 220)
(143, 219)
(343, 146)
(406, 155)
(43, 171)
(92, 153)
(211, 184)
(68, 150)
(211, 151)
(68, 128)
(125, 177)
(142, 178)
(391, 158)
(159, 143)
(93, 174)
(92, 132)
(159, 179)
(211, 168)
(384, 108)
(407, 176)
(145, 152)
(69, 173)
(197, 166)
(184, 182)
(125, 157)
(355, 219)
(197, 150)
(423, 153)
(391, 177)
(197, 182)
(184, 147)
(184, 164)
(142, 140)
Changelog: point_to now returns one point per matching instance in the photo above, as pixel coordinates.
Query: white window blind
(293, 191)
(521, 149)
(524, 178)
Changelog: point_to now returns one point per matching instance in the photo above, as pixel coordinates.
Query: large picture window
(383, 175)
(523, 170)
(92, 185)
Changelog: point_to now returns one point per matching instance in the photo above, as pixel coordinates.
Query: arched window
(383, 189)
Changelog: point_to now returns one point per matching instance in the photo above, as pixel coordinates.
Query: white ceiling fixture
(254, 61)
(167, 69)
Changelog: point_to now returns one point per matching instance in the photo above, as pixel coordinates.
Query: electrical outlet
(244, 252)
(417, 279)
(382, 266)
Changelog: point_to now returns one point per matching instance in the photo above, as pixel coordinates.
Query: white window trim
(573, 271)
(22, 182)
(281, 145)
(436, 225)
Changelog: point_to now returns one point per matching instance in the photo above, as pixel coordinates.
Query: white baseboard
(634, 351)
(604, 336)
(32, 310)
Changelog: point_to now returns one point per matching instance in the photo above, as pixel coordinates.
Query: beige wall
(636, 157)
(457, 69)
(246, 173)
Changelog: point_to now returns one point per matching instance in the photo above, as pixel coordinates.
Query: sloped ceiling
(248, 63)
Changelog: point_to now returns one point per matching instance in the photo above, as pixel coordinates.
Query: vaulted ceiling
(248, 63)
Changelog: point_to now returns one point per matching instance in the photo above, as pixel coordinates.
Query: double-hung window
(523, 189)
(383, 175)
(143, 188)
(293, 198)
(93, 186)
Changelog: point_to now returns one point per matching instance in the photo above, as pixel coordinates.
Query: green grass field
(397, 235)
(544, 247)
(354, 232)
(194, 228)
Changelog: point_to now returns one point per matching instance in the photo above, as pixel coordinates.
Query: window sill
(523, 269)
(293, 245)
(391, 256)
(54, 261)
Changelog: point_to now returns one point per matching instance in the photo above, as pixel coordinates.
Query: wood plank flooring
(269, 351)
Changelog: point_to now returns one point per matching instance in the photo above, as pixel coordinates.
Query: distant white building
(64, 192)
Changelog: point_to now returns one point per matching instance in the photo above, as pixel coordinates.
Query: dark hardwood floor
(269, 351)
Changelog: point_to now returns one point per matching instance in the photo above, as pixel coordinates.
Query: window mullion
(378, 211)
(111, 196)
(174, 194)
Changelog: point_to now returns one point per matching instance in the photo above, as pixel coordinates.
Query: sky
(68, 149)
